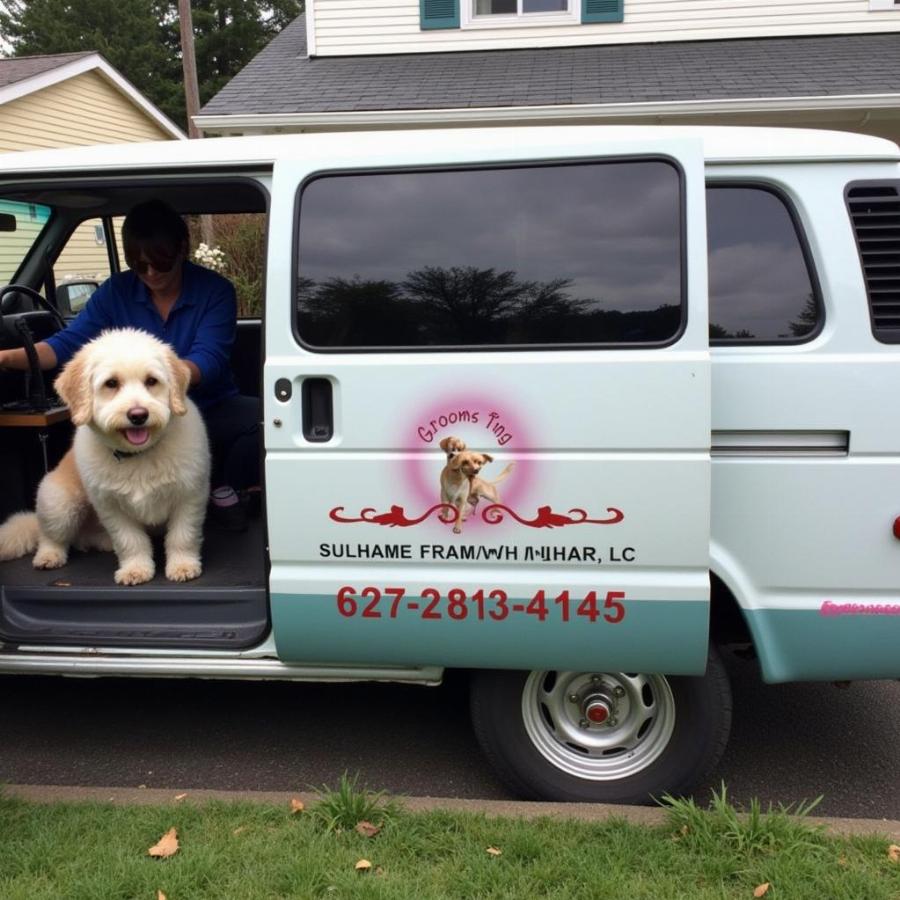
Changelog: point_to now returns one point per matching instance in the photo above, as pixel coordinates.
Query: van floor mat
(80, 604)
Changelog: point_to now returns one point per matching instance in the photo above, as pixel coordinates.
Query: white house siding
(85, 109)
(354, 27)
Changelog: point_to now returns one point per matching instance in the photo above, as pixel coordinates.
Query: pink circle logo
(484, 424)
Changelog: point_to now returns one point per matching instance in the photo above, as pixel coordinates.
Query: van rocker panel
(830, 644)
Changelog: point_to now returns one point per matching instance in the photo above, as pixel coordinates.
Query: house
(434, 63)
(64, 100)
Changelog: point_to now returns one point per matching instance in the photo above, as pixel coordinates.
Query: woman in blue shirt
(195, 311)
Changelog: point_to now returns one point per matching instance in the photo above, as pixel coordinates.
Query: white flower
(211, 257)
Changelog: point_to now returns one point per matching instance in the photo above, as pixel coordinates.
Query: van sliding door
(487, 407)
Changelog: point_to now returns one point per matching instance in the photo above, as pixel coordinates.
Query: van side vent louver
(875, 211)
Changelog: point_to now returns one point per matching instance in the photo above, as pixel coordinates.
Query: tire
(647, 734)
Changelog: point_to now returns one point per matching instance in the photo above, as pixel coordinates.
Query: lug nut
(573, 698)
(583, 723)
(612, 721)
(619, 691)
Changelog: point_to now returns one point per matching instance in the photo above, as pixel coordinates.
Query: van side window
(761, 290)
(543, 255)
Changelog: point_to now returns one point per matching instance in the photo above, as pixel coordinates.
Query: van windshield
(20, 226)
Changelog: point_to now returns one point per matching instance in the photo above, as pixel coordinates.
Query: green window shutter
(439, 13)
(602, 10)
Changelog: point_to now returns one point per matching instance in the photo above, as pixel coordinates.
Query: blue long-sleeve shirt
(200, 327)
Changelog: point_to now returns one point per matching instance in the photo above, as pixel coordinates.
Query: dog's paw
(49, 558)
(137, 572)
(184, 568)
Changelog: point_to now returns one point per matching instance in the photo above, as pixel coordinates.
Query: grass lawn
(229, 851)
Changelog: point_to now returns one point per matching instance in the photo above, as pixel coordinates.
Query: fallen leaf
(239, 830)
(160, 896)
(894, 853)
(363, 866)
(379, 870)
(494, 851)
(842, 860)
(167, 846)
(296, 806)
(762, 889)
(180, 796)
(367, 829)
(60, 583)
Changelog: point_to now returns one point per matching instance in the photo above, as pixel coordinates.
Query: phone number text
(430, 604)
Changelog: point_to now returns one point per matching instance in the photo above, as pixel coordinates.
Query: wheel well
(727, 624)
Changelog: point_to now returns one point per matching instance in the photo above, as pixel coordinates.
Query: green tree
(227, 35)
(141, 38)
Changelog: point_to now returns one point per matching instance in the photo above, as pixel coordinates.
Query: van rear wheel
(601, 737)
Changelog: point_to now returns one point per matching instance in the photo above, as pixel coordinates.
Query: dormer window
(519, 7)
(518, 12)
(440, 14)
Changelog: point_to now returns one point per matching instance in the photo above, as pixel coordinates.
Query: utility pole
(189, 65)
(192, 92)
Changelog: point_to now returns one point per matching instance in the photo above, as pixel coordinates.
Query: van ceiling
(209, 195)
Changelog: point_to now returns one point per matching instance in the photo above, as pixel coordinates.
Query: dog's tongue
(137, 436)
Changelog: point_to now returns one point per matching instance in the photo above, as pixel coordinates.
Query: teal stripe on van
(804, 645)
(654, 636)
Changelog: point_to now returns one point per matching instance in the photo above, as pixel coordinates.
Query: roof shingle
(22, 67)
(282, 79)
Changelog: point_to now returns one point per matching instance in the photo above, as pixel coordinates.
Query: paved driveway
(788, 741)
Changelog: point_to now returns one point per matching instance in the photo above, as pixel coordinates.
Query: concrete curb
(584, 812)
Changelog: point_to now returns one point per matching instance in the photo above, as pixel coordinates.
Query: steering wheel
(41, 301)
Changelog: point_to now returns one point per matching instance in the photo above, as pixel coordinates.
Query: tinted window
(540, 255)
(760, 288)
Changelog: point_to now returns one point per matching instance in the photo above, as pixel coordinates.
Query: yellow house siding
(353, 27)
(85, 109)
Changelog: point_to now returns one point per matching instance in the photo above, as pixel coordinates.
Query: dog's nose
(137, 415)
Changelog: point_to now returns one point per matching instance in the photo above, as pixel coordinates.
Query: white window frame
(468, 19)
(881, 5)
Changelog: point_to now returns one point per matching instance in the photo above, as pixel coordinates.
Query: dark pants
(233, 428)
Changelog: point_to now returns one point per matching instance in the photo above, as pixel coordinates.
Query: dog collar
(122, 454)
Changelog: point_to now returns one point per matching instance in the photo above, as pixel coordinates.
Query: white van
(676, 351)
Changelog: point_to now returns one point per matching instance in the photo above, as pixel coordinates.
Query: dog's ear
(445, 443)
(179, 381)
(74, 387)
(487, 457)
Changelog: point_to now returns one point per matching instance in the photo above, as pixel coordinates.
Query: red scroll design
(546, 518)
(492, 515)
(394, 517)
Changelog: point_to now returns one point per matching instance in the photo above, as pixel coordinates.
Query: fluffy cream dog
(140, 460)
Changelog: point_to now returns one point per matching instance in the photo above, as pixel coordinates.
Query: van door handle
(317, 410)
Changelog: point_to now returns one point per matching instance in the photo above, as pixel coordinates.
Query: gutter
(257, 123)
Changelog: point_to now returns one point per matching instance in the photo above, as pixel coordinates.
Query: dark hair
(155, 230)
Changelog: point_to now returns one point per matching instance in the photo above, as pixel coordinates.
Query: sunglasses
(141, 266)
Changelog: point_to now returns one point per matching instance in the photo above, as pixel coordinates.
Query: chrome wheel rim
(599, 726)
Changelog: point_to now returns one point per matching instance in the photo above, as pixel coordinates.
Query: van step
(80, 604)
(191, 616)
